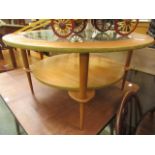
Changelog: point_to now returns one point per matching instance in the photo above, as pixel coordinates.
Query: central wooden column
(84, 64)
(127, 64)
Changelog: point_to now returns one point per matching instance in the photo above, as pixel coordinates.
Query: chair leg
(12, 56)
(1, 55)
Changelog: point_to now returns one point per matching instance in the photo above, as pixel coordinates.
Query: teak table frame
(136, 41)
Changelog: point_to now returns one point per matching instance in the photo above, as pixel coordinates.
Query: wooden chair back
(128, 114)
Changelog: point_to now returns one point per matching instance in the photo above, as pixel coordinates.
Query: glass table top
(46, 40)
(82, 37)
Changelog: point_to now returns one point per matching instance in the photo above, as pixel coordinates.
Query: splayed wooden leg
(27, 69)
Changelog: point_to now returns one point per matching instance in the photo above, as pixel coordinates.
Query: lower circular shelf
(62, 71)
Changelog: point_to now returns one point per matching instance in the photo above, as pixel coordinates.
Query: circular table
(77, 69)
(45, 40)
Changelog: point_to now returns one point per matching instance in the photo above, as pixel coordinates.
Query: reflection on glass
(88, 35)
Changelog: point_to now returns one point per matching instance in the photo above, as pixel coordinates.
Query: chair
(128, 115)
(3, 65)
(1, 54)
(147, 124)
(129, 119)
(5, 29)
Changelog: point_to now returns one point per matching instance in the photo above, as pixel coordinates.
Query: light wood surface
(62, 71)
(84, 68)
(52, 111)
(135, 41)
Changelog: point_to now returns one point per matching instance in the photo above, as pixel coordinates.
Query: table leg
(127, 64)
(13, 58)
(84, 63)
(27, 68)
